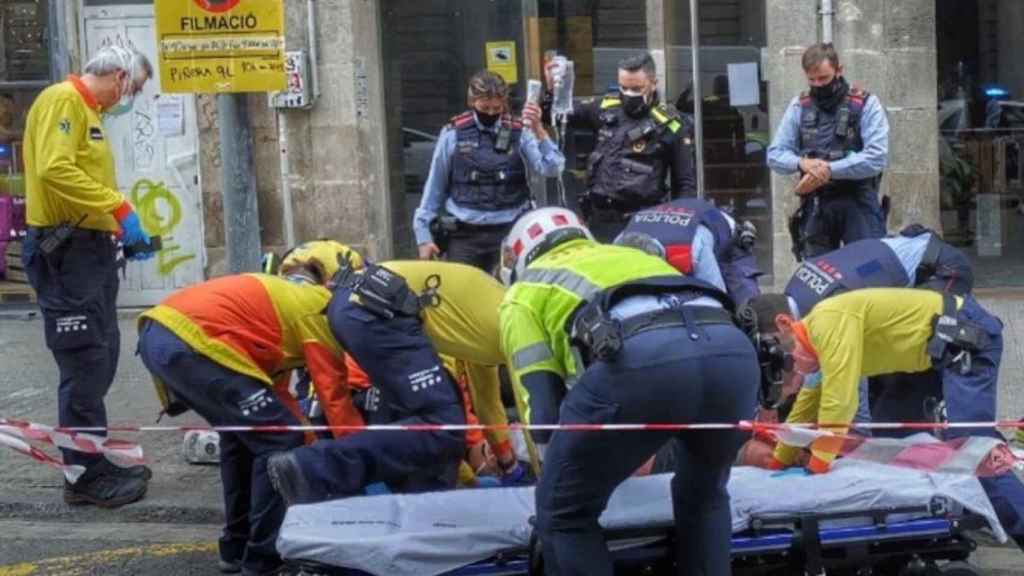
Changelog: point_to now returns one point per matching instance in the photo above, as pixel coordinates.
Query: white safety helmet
(535, 233)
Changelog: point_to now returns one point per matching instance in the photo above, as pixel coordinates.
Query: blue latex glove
(377, 489)
(131, 226)
(518, 475)
(791, 471)
(133, 233)
(487, 482)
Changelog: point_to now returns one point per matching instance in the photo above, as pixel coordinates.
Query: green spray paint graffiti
(160, 212)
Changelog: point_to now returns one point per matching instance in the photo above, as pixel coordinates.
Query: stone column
(342, 186)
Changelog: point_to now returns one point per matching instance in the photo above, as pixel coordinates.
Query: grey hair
(637, 62)
(110, 59)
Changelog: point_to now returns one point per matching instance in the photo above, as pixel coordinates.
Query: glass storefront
(981, 134)
(734, 106)
(24, 71)
(431, 48)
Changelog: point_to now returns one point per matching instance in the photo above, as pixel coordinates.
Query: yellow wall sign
(501, 59)
(221, 45)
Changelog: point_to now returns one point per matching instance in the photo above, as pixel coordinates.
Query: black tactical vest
(628, 165)
(487, 172)
(831, 135)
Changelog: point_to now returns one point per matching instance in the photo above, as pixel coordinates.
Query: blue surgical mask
(124, 105)
(812, 380)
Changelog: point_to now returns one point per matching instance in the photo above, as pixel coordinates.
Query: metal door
(155, 150)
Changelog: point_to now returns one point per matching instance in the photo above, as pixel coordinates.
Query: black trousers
(834, 219)
(253, 511)
(478, 246)
(414, 387)
(77, 286)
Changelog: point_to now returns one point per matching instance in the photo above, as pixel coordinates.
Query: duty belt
(954, 340)
(674, 318)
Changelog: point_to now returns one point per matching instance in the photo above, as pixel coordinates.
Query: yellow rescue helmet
(320, 256)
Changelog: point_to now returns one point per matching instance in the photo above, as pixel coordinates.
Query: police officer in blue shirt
(915, 258)
(699, 240)
(837, 138)
(478, 175)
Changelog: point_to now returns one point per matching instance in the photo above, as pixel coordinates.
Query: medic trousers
(253, 510)
(971, 397)
(77, 290)
(401, 362)
(702, 374)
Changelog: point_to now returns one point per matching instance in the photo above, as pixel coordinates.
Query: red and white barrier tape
(745, 425)
(19, 435)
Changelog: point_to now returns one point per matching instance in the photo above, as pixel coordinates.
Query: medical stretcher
(857, 520)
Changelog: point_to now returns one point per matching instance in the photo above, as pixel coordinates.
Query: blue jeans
(662, 375)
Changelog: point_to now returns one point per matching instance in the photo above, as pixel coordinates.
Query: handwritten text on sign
(226, 46)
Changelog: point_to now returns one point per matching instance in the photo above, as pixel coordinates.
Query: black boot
(100, 488)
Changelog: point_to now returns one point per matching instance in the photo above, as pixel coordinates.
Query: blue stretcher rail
(937, 537)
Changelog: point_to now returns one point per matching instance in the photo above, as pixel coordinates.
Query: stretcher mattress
(430, 534)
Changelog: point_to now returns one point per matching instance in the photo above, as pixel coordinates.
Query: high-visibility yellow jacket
(537, 308)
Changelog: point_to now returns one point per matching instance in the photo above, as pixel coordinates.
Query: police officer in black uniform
(478, 182)
(837, 138)
(639, 142)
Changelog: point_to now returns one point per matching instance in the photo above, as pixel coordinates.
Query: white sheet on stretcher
(429, 534)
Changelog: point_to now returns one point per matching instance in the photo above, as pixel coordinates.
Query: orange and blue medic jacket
(263, 327)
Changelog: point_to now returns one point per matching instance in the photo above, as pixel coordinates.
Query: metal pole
(826, 21)
(286, 179)
(698, 97)
(241, 213)
(57, 21)
(314, 51)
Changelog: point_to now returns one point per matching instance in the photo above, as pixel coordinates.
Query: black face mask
(828, 95)
(487, 120)
(634, 106)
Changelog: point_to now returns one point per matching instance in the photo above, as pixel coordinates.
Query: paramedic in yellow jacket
(882, 331)
(217, 348)
(73, 211)
(462, 327)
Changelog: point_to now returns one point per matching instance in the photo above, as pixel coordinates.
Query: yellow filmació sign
(212, 46)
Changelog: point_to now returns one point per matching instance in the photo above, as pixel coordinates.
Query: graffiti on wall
(160, 212)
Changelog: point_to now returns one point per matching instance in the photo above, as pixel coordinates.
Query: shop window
(734, 105)
(24, 71)
(981, 134)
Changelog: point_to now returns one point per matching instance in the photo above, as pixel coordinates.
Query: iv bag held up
(564, 76)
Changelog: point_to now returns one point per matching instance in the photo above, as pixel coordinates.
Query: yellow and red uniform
(861, 333)
(263, 327)
(69, 167)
